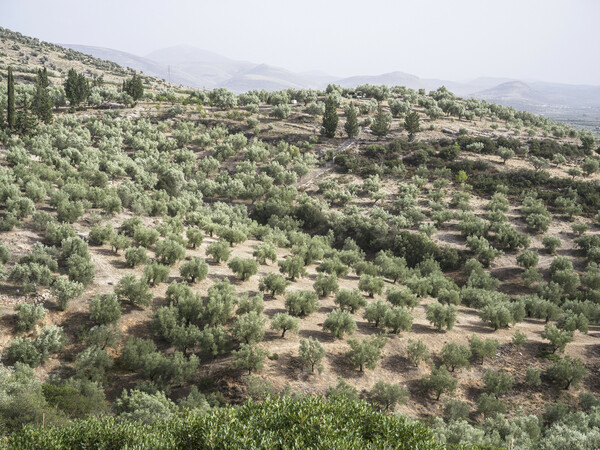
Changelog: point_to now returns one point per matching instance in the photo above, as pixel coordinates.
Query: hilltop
(195, 248)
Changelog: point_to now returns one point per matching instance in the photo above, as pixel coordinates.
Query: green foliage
(134, 87)
(567, 371)
(551, 243)
(412, 124)
(248, 304)
(105, 309)
(558, 339)
(438, 382)
(156, 273)
(135, 405)
(455, 356)
(273, 283)
(29, 316)
(103, 336)
(330, 117)
(76, 398)
(498, 382)
(311, 354)
(30, 275)
(366, 352)
(441, 316)
(264, 252)
(65, 291)
(133, 290)
(518, 339)
(528, 259)
(342, 390)
(219, 251)
(350, 300)
(284, 322)
(243, 268)
(293, 267)
(250, 327)
(532, 377)
(301, 303)
(135, 256)
(489, 405)
(456, 410)
(387, 396)
(221, 302)
(417, 352)
(351, 126)
(196, 269)
(92, 364)
(381, 123)
(398, 319)
(339, 323)
(249, 357)
(375, 312)
(169, 251)
(309, 421)
(402, 297)
(325, 285)
(370, 284)
(503, 314)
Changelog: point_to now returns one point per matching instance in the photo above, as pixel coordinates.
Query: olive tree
(284, 322)
(441, 316)
(196, 269)
(339, 323)
(366, 352)
(105, 309)
(243, 268)
(273, 283)
(311, 354)
(350, 300)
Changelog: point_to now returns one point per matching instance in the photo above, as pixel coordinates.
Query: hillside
(194, 249)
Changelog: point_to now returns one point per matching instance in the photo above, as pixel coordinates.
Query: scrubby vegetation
(193, 248)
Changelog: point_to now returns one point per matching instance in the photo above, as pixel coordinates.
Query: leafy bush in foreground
(276, 422)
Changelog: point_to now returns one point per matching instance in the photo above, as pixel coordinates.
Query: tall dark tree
(77, 87)
(351, 126)
(10, 108)
(71, 86)
(25, 121)
(134, 87)
(411, 124)
(83, 88)
(330, 118)
(42, 103)
(381, 125)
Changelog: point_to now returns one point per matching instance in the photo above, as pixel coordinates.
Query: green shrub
(351, 424)
(339, 323)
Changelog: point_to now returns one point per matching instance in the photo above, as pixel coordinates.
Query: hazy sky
(551, 40)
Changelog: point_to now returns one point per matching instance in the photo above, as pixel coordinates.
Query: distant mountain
(139, 63)
(513, 93)
(198, 68)
(269, 78)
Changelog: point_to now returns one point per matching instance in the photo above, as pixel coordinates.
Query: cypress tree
(71, 87)
(83, 88)
(10, 108)
(330, 118)
(25, 122)
(134, 87)
(411, 124)
(381, 125)
(42, 103)
(351, 125)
